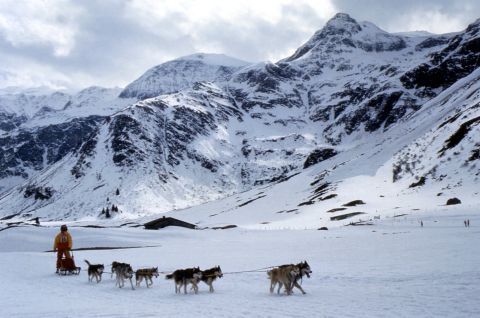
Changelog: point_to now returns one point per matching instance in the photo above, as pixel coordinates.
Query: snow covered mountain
(182, 73)
(354, 114)
(32, 108)
(38, 128)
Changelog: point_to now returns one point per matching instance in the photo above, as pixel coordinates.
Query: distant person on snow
(465, 223)
(468, 223)
(421, 223)
(62, 245)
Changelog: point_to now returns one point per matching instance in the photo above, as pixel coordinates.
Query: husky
(183, 277)
(123, 271)
(210, 275)
(114, 267)
(146, 273)
(285, 275)
(304, 271)
(95, 271)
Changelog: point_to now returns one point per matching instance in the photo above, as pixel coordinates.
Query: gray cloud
(436, 16)
(111, 42)
(259, 39)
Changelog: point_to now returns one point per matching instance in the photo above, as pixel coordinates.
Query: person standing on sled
(62, 245)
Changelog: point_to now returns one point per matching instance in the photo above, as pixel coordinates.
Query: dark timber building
(167, 221)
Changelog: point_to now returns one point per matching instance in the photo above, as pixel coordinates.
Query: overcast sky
(74, 44)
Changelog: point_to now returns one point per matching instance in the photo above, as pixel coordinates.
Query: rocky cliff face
(27, 152)
(459, 56)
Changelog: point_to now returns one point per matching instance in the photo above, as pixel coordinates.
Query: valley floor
(394, 268)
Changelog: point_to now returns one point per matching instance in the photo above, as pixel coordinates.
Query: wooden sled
(68, 267)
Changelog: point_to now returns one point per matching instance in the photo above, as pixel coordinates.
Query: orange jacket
(63, 241)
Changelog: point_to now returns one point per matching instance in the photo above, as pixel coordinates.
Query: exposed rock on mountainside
(318, 155)
(27, 151)
(460, 57)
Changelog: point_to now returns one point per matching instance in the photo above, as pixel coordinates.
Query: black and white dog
(95, 271)
(183, 277)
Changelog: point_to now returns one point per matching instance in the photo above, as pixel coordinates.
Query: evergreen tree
(103, 211)
(117, 192)
(107, 213)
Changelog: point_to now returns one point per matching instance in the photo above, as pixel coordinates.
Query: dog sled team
(287, 276)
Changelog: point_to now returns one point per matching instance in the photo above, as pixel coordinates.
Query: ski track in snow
(392, 269)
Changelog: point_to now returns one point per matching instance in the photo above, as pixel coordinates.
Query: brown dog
(304, 271)
(284, 275)
(210, 275)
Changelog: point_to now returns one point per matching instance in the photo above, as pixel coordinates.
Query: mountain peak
(342, 22)
(176, 75)
(342, 33)
(342, 16)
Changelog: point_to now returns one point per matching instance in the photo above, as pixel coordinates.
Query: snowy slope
(379, 173)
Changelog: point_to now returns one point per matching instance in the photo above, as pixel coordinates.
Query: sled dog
(147, 274)
(95, 271)
(123, 271)
(183, 277)
(285, 275)
(116, 265)
(210, 275)
(304, 271)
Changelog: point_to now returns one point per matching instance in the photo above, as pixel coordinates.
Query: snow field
(392, 269)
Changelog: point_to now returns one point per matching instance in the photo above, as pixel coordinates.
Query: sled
(68, 267)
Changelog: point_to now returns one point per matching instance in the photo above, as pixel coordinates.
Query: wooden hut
(167, 221)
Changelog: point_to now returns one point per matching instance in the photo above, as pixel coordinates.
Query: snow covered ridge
(182, 73)
(355, 115)
(33, 108)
